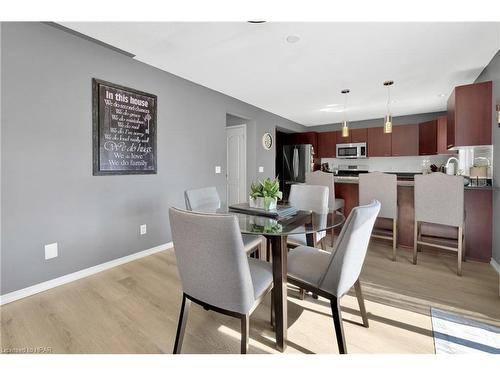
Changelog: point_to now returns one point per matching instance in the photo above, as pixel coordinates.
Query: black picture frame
(98, 130)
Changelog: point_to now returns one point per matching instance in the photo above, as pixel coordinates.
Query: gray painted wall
(492, 73)
(48, 191)
(397, 120)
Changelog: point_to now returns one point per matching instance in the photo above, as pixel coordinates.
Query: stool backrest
(323, 179)
(384, 188)
(439, 199)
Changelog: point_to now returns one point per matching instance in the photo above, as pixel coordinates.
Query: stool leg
(394, 238)
(460, 250)
(415, 245)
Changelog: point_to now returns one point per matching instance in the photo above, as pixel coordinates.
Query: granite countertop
(402, 182)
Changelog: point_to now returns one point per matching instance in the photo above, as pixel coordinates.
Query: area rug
(455, 334)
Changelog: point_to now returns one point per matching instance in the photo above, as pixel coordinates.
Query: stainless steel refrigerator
(297, 161)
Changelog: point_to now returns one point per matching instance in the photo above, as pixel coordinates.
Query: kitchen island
(478, 220)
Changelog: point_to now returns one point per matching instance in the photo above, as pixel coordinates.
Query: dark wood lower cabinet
(478, 220)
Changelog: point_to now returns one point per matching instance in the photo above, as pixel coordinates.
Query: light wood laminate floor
(134, 308)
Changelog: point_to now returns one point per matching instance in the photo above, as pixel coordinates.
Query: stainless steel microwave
(351, 150)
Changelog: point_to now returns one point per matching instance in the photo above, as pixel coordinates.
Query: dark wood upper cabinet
(427, 138)
(358, 135)
(327, 144)
(341, 139)
(470, 109)
(310, 138)
(442, 134)
(405, 140)
(378, 142)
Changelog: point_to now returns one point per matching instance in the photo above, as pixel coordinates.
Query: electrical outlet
(218, 169)
(51, 251)
(143, 229)
(261, 169)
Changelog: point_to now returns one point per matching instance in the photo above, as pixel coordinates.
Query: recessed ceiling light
(441, 95)
(332, 109)
(292, 38)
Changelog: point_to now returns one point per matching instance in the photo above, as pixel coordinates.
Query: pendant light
(345, 126)
(388, 116)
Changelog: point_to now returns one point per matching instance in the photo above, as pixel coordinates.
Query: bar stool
(439, 199)
(326, 179)
(384, 188)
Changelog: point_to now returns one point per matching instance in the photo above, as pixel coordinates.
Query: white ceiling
(255, 63)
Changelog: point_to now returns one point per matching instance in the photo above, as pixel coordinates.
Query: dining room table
(276, 231)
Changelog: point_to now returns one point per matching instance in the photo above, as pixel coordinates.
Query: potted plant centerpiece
(265, 194)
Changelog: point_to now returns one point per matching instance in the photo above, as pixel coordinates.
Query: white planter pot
(259, 203)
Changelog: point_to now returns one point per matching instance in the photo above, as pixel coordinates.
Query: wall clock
(267, 141)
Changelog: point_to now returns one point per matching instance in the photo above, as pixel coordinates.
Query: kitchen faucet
(451, 171)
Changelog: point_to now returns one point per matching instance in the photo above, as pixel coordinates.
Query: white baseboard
(37, 288)
(495, 265)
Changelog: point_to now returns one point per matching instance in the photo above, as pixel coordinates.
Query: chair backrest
(439, 199)
(212, 262)
(309, 197)
(382, 187)
(348, 257)
(201, 199)
(323, 179)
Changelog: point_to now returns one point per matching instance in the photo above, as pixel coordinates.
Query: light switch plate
(143, 229)
(51, 251)
(218, 169)
(261, 169)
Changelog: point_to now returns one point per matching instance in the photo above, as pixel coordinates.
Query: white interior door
(236, 164)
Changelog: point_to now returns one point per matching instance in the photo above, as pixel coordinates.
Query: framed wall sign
(124, 130)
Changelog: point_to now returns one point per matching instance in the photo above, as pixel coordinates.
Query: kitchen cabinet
(341, 139)
(405, 140)
(442, 131)
(327, 142)
(358, 135)
(378, 142)
(427, 138)
(469, 115)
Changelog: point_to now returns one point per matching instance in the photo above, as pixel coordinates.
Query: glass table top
(303, 222)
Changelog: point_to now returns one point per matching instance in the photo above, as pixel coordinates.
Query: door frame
(244, 177)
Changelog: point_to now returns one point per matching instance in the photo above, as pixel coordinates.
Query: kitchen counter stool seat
(439, 199)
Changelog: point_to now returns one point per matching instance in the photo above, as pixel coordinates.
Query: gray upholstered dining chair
(439, 199)
(326, 179)
(312, 198)
(214, 269)
(207, 200)
(384, 188)
(331, 275)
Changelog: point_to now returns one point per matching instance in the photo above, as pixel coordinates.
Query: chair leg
(272, 309)
(337, 322)
(361, 303)
(415, 245)
(394, 238)
(460, 250)
(463, 243)
(333, 237)
(181, 327)
(268, 250)
(245, 330)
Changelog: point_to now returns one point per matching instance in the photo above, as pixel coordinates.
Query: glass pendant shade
(345, 129)
(388, 124)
